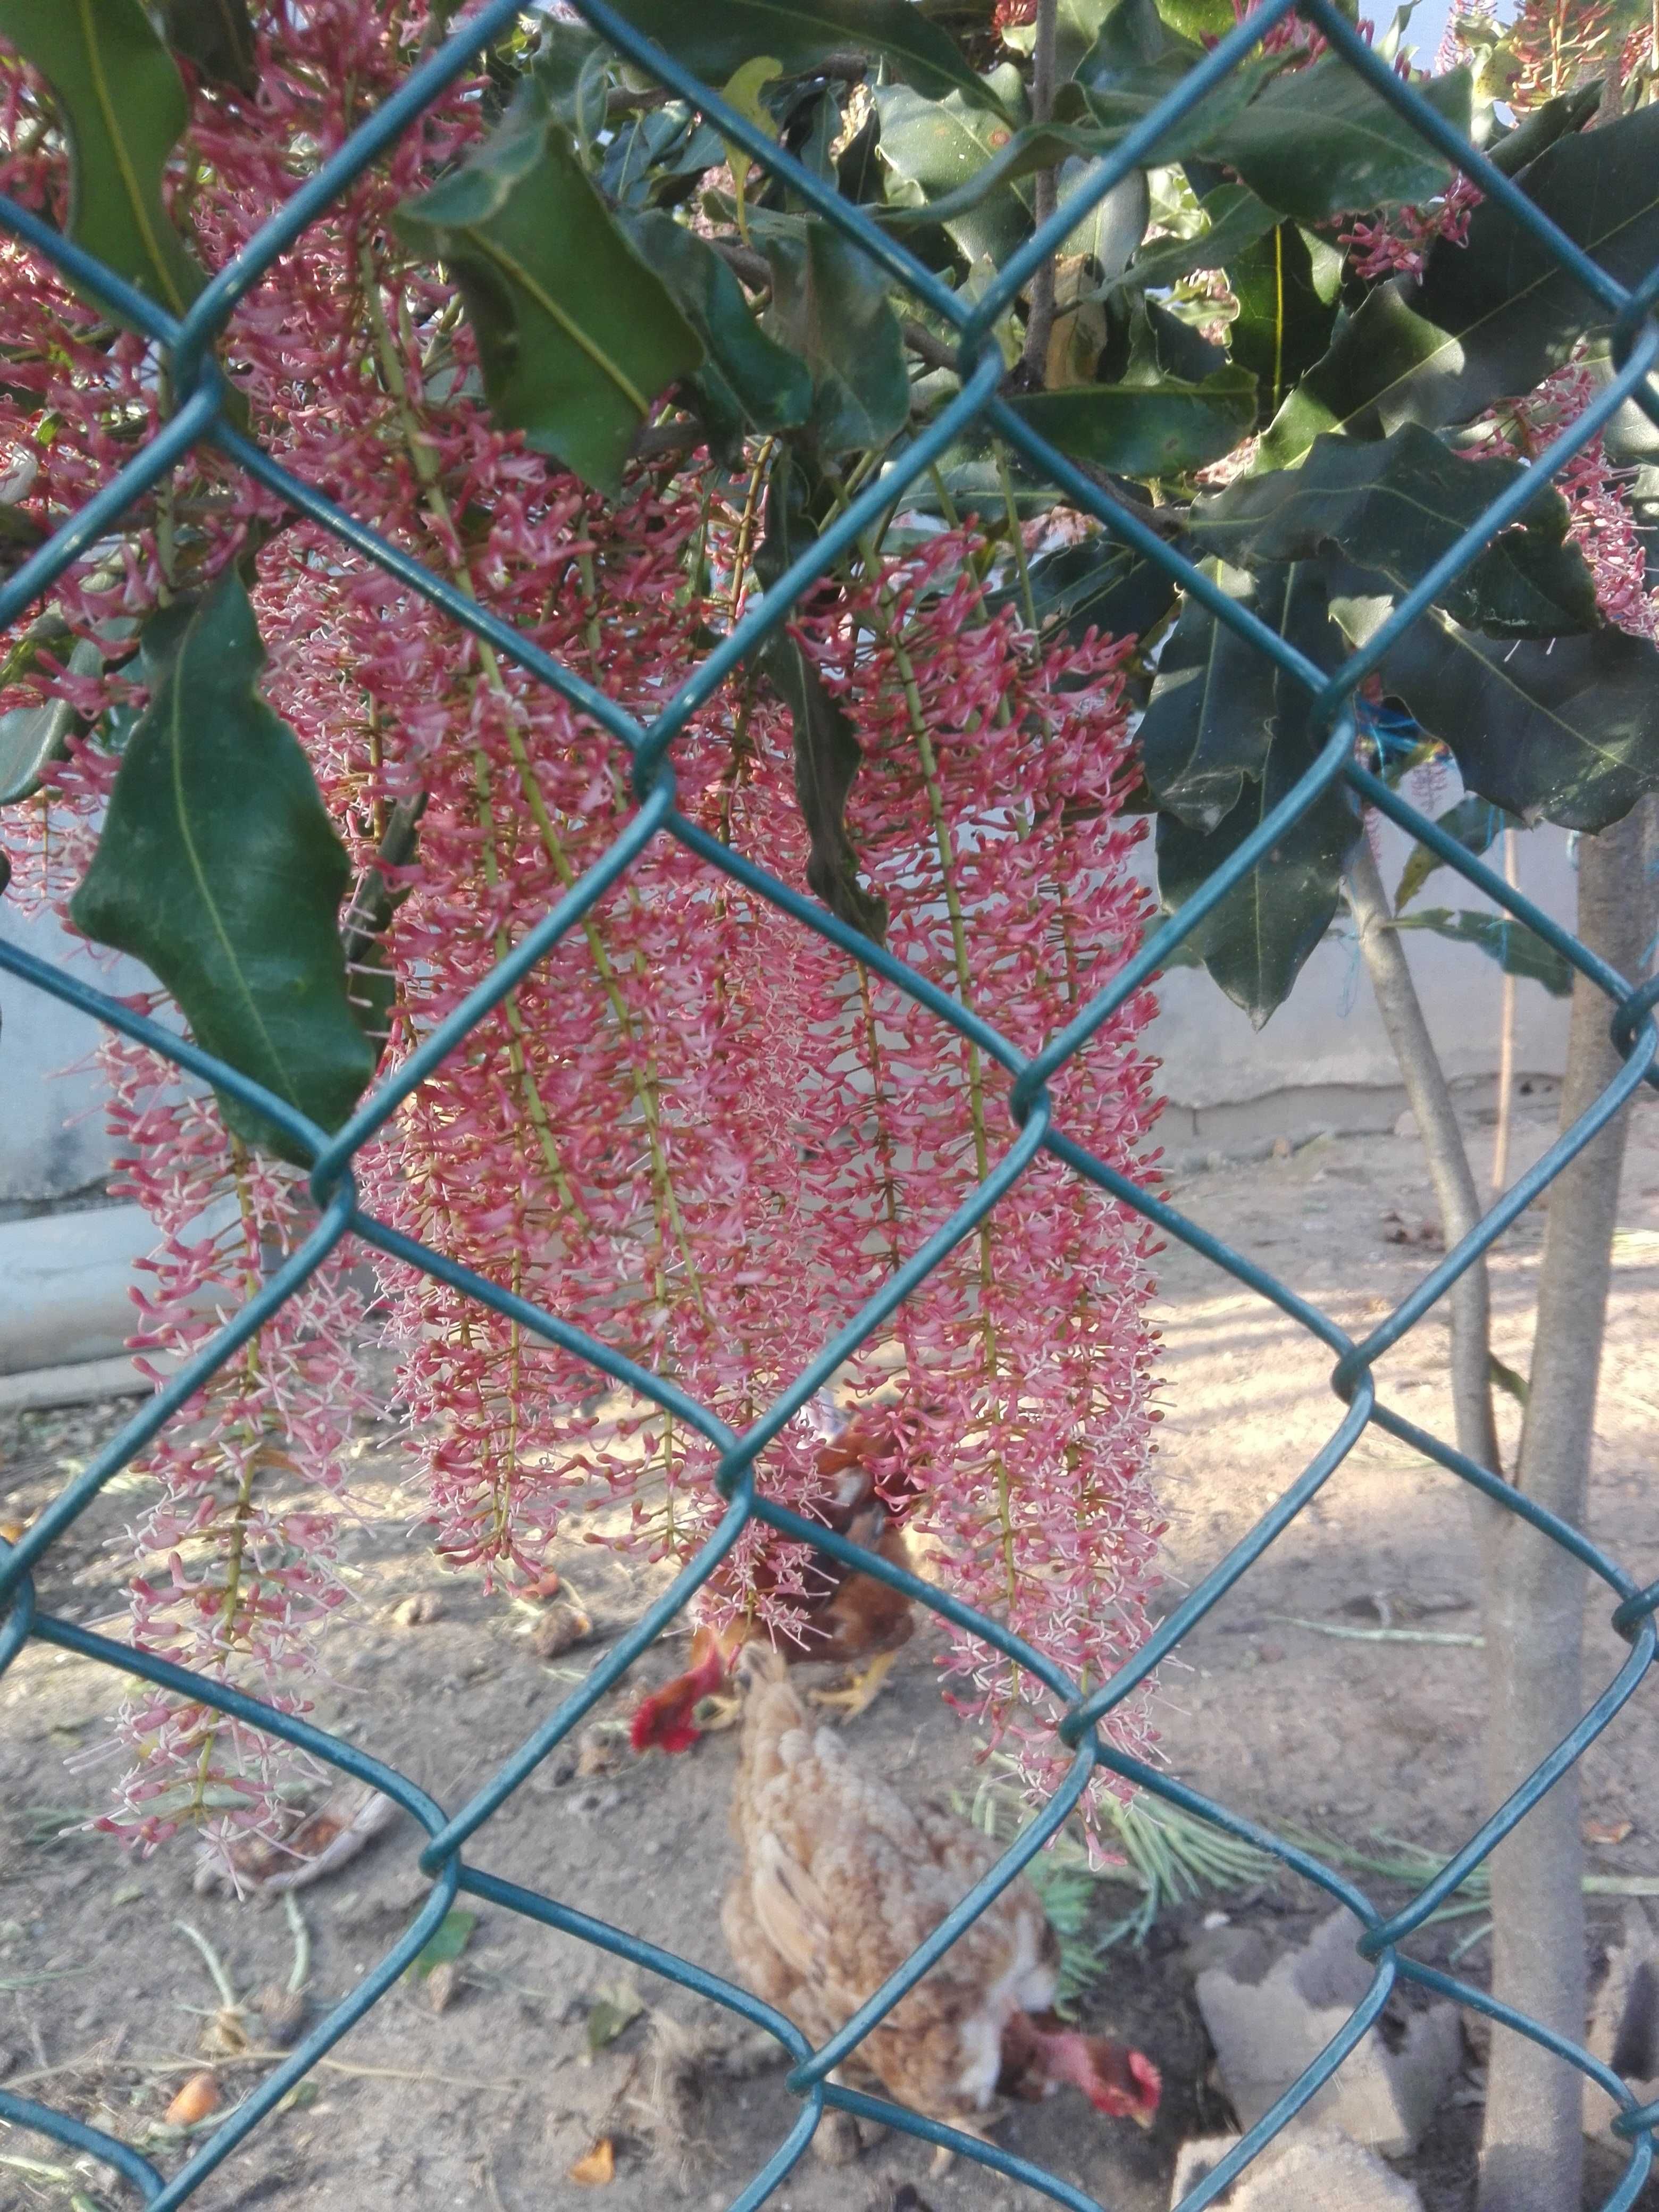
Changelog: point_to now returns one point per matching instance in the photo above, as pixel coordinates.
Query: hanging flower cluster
(1399, 245)
(697, 1131)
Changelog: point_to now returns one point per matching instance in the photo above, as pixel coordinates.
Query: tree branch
(1040, 321)
(1532, 2150)
(1449, 1172)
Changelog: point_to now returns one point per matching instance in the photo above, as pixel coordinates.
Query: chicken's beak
(1142, 2118)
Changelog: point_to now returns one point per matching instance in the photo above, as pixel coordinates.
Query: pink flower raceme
(697, 1131)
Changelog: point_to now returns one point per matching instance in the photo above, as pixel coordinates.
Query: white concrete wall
(1316, 1060)
(1326, 1034)
(52, 1126)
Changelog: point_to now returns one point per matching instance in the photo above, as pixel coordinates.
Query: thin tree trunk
(1532, 2154)
(1452, 1177)
(1040, 322)
(1500, 1150)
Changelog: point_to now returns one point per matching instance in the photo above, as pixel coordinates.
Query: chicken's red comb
(663, 1721)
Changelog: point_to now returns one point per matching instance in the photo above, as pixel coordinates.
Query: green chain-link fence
(200, 414)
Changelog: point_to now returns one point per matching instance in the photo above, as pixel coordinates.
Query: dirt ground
(490, 2102)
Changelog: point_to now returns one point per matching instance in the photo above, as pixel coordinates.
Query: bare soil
(490, 2102)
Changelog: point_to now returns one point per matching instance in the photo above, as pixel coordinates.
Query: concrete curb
(80, 1385)
(65, 1280)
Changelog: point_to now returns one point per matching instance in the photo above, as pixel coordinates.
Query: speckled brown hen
(841, 1879)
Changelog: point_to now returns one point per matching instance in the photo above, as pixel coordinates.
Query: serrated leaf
(217, 35)
(933, 148)
(576, 336)
(1490, 318)
(1218, 698)
(218, 867)
(1256, 942)
(764, 382)
(124, 109)
(445, 1944)
(1518, 950)
(716, 37)
(830, 307)
(1566, 728)
(1399, 504)
(1164, 429)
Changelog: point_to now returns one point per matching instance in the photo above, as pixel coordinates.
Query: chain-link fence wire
(200, 416)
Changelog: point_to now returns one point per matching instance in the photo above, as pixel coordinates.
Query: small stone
(442, 1984)
(1266, 2033)
(282, 2014)
(597, 1752)
(1405, 1124)
(561, 1627)
(416, 1611)
(1282, 1148)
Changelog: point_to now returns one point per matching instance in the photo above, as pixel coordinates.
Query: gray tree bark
(1449, 1172)
(1532, 2154)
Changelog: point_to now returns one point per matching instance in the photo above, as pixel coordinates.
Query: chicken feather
(841, 1879)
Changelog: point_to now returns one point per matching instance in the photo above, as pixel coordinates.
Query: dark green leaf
(828, 756)
(445, 1943)
(715, 37)
(1255, 943)
(1136, 63)
(32, 738)
(576, 336)
(1116, 225)
(218, 867)
(1400, 503)
(1237, 220)
(1491, 318)
(1163, 346)
(1220, 701)
(1512, 150)
(659, 149)
(1567, 727)
(932, 148)
(1096, 584)
(567, 75)
(1284, 322)
(1162, 430)
(829, 306)
(1515, 947)
(123, 110)
(217, 35)
(1474, 822)
(827, 752)
(1037, 146)
(1318, 141)
(772, 386)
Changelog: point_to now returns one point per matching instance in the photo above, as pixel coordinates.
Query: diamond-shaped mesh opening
(201, 416)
